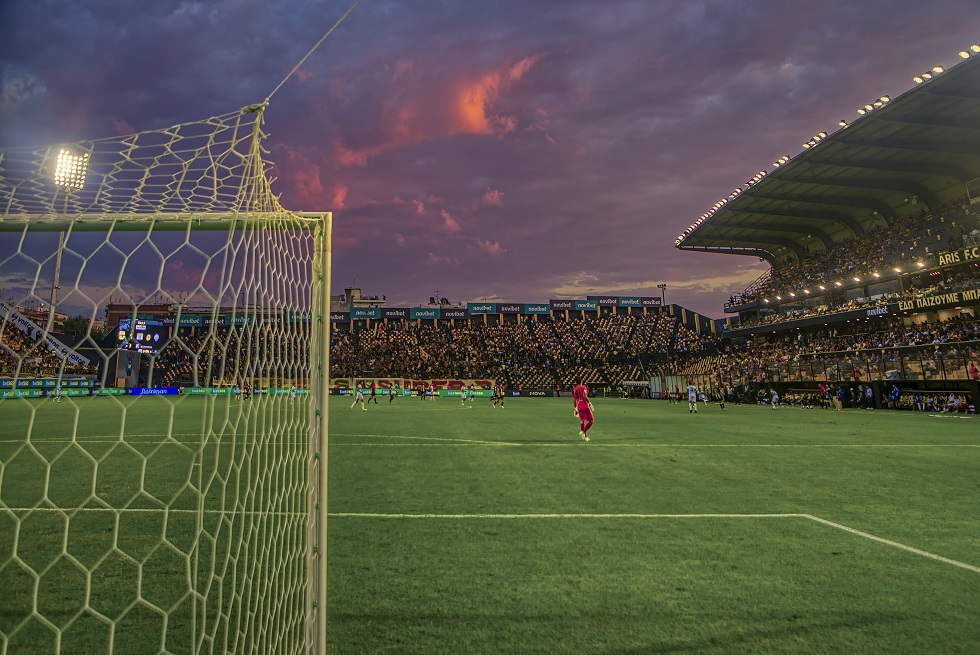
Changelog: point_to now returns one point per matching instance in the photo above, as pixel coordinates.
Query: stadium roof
(902, 155)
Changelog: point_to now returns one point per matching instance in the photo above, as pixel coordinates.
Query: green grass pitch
(479, 530)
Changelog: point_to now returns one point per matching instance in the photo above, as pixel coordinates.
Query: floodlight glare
(838, 283)
(70, 170)
(964, 54)
(975, 48)
(885, 99)
(897, 269)
(842, 123)
(876, 274)
(822, 287)
(857, 279)
(938, 69)
(917, 79)
(920, 264)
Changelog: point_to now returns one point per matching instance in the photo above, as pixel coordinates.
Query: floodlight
(975, 48)
(920, 264)
(927, 75)
(938, 69)
(70, 170)
(806, 291)
(917, 79)
(897, 269)
(765, 300)
(779, 297)
(792, 295)
(878, 103)
(862, 112)
(857, 279)
(885, 99)
(876, 274)
(822, 135)
(838, 283)
(842, 123)
(822, 287)
(868, 107)
(965, 54)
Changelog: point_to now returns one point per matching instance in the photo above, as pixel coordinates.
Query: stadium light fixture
(918, 79)
(765, 300)
(927, 75)
(70, 170)
(779, 297)
(821, 287)
(878, 104)
(792, 295)
(806, 291)
(938, 69)
(885, 99)
(920, 264)
(876, 274)
(842, 123)
(965, 54)
(857, 279)
(863, 112)
(897, 269)
(838, 283)
(822, 135)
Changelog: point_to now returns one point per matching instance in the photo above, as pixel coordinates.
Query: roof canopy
(915, 152)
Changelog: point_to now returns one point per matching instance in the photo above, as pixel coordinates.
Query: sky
(508, 150)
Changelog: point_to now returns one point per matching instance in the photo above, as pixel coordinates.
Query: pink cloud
(450, 224)
(122, 127)
(339, 200)
(493, 197)
(303, 76)
(422, 110)
(492, 248)
(436, 260)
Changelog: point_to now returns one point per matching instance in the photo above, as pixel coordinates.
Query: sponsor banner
(28, 327)
(284, 391)
(157, 391)
(394, 312)
(296, 317)
(347, 385)
(941, 300)
(510, 309)
(238, 320)
(456, 313)
(111, 391)
(537, 309)
(477, 393)
(537, 393)
(881, 310)
(481, 307)
(953, 257)
(561, 305)
(630, 301)
(651, 302)
(423, 312)
(25, 393)
(361, 313)
(208, 391)
(587, 305)
(213, 320)
(35, 382)
(71, 392)
(185, 321)
(339, 317)
(605, 301)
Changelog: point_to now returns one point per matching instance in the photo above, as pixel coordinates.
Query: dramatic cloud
(517, 150)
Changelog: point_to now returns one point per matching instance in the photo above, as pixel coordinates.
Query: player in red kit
(583, 409)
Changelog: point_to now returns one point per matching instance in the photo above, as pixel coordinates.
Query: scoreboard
(142, 335)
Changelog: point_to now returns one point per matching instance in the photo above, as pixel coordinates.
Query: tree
(76, 328)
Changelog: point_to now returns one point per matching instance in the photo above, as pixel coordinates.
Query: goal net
(163, 372)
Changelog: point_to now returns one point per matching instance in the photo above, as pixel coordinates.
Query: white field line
(559, 516)
(894, 544)
(593, 444)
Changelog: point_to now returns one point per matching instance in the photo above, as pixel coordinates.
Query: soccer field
(480, 530)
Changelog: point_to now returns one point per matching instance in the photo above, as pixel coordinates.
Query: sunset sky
(517, 150)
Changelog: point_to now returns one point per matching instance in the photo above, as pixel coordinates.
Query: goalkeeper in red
(583, 409)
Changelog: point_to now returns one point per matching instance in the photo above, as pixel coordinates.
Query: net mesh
(158, 470)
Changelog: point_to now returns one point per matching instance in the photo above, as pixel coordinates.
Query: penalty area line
(894, 544)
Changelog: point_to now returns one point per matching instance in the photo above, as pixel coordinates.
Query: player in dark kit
(374, 393)
(498, 396)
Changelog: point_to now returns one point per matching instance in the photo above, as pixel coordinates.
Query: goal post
(164, 376)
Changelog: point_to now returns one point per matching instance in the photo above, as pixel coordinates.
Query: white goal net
(163, 372)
